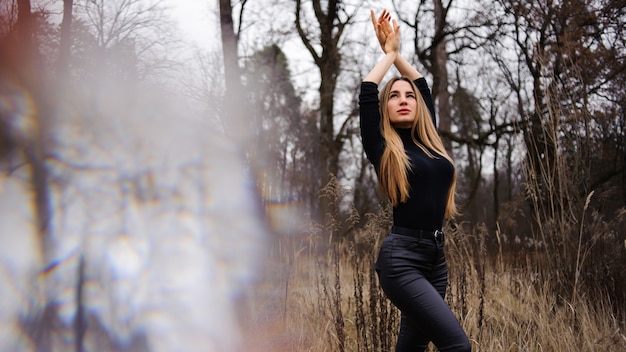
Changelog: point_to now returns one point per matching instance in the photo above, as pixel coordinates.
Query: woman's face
(401, 104)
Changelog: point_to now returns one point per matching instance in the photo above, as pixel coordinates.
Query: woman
(417, 174)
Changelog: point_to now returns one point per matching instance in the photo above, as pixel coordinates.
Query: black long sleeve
(429, 178)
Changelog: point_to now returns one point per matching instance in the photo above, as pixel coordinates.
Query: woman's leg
(413, 274)
(410, 337)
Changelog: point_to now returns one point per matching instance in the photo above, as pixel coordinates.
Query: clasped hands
(388, 35)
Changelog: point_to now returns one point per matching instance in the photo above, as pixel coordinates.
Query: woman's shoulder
(421, 82)
(369, 92)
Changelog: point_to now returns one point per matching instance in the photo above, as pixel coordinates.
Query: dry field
(322, 295)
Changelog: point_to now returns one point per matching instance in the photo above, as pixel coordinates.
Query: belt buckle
(438, 235)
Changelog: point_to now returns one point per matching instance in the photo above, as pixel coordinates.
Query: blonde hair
(394, 163)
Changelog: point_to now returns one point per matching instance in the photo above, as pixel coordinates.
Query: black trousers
(413, 274)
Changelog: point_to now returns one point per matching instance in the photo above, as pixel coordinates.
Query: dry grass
(323, 295)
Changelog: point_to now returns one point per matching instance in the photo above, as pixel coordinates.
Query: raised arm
(378, 72)
(406, 69)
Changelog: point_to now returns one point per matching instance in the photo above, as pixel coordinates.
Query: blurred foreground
(156, 229)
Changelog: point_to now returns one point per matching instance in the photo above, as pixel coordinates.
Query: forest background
(146, 177)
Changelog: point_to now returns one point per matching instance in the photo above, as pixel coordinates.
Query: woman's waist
(435, 235)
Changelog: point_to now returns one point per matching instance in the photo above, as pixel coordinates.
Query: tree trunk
(329, 64)
(229, 47)
(27, 68)
(25, 64)
(232, 106)
(66, 38)
(329, 148)
(441, 82)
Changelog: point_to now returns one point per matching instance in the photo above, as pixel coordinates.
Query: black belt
(435, 235)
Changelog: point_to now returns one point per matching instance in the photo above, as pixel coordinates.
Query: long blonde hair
(394, 163)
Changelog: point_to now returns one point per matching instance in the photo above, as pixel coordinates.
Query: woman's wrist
(392, 53)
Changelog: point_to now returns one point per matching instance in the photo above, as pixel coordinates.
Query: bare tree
(564, 79)
(324, 46)
(131, 38)
(550, 45)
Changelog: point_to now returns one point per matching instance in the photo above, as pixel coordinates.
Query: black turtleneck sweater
(429, 178)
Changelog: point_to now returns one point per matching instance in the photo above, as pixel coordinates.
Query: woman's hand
(392, 44)
(388, 36)
(381, 32)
